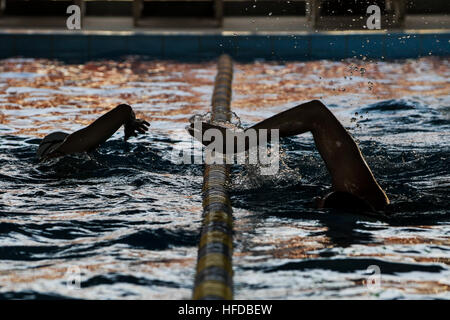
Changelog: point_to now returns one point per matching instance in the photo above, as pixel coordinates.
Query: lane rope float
(214, 271)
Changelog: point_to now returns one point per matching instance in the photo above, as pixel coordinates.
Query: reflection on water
(128, 217)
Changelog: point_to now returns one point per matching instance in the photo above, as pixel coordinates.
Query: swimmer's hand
(205, 126)
(135, 126)
(206, 138)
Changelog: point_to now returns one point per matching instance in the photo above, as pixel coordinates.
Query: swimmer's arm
(342, 156)
(295, 121)
(291, 122)
(237, 136)
(102, 129)
(288, 123)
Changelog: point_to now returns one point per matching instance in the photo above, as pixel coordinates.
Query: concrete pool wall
(87, 45)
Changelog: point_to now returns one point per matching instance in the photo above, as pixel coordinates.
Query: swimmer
(353, 184)
(58, 144)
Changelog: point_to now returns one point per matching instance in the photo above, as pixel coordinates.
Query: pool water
(125, 220)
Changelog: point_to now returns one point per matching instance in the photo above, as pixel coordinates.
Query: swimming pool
(128, 216)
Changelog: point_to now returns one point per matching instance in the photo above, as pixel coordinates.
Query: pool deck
(271, 38)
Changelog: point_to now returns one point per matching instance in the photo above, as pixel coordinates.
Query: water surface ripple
(128, 216)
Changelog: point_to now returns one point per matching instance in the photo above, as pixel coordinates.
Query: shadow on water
(352, 265)
(296, 204)
(148, 239)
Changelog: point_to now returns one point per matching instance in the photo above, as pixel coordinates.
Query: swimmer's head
(50, 143)
(343, 200)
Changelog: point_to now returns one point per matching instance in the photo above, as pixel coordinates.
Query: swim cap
(50, 143)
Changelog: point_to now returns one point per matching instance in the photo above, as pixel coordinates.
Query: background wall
(232, 8)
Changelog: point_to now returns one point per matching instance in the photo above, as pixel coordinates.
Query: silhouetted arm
(90, 137)
(343, 159)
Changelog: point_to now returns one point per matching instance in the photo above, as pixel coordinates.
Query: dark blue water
(125, 219)
(292, 249)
